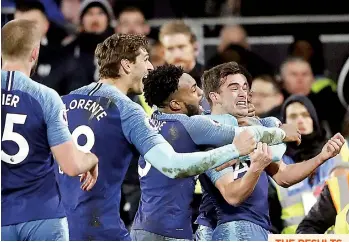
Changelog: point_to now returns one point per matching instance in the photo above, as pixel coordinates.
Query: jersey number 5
(10, 135)
(90, 139)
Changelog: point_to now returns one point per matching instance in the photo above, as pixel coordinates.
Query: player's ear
(35, 54)
(125, 64)
(214, 97)
(174, 105)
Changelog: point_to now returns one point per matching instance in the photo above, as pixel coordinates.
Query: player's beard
(33, 70)
(192, 109)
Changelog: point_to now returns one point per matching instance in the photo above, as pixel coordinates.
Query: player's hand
(251, 108)
(261, 157)
(332, 147)
(292, 133)
(226, 165)
(244, 142)
(89, 178)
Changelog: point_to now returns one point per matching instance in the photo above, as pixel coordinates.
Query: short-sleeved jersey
(106, 122)
(165, 208)
(32, 121)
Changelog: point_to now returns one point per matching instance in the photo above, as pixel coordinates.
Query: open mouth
(241, 104)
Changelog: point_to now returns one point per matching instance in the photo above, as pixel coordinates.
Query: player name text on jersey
(9, 100)
(94, 107)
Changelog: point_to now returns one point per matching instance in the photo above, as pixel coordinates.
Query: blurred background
(289, 47)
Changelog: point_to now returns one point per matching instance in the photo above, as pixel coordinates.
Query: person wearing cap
(96, 24)
(334, 199)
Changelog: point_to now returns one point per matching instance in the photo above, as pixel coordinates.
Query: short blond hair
(18, 38)
(176, 27)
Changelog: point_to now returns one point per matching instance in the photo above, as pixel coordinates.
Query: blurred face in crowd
(37, 16)
(232, 35)
(157, 55)
(233, 95)
(297, 114)
(265, 96)
(70, 10)
(179, 51)
(297, 77)
(188, 96)
(95, 20)
(138, 70)
(132, 22)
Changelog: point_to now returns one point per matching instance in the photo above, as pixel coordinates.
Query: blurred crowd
(73, 28)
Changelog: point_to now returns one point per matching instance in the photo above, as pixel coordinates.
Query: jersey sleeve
(215, 175)
(204, 131)
(56, 119)
(137, 129)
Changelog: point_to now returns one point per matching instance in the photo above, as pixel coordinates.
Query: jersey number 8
(90, 139)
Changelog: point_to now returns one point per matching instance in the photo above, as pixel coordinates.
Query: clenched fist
(292, 133)
(332, 147)
(244, 142)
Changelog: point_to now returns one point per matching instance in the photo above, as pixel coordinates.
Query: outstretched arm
(287, 175)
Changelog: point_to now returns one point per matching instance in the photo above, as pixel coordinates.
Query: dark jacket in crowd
(320, 217)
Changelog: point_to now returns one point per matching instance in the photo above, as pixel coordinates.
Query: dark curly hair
(115, 48)
(161, 83)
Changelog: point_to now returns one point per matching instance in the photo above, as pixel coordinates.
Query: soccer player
(33, 127)
(104, 120)
(240, 192)
(164, 212)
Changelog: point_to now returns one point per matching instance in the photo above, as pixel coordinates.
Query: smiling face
(233, 95)
(140, 69)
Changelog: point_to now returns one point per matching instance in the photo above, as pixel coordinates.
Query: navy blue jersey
(32, 121)
(255, 208)
(106, 122)
(164, 208)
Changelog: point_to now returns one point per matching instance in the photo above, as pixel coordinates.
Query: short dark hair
(29, 5)
(270, 79)
(161, 83)
(115, 48)
(215, 77)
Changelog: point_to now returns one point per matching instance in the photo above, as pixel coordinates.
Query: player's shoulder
(223, 119)
(34, 89)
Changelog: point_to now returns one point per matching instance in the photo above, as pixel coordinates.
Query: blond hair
(18, 38)
(176, 27)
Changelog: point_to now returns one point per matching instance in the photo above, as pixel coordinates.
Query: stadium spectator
(234, 46)
(96, 24)
(331, 207)
(292, 204)
(297, 78)
(180, 46)
(52, 69)
(267, 97)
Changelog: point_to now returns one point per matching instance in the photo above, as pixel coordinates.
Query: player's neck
(217, 110)
(120, 85)
(169, 110)
(16, 66)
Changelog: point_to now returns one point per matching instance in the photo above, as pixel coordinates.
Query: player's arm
(71, 160)
(287, 175)
(236, 191)
(204, 131)
(159, 153)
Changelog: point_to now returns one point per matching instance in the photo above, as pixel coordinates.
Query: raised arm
(287, 175)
